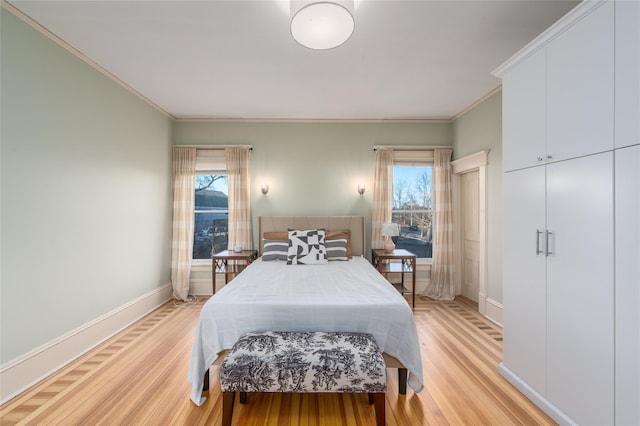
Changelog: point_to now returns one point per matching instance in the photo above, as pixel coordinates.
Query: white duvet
(338, 296)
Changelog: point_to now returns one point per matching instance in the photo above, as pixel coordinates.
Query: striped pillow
(275, 250)
(338, 235)
(336, 249)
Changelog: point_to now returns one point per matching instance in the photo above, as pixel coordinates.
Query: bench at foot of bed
(304, 362)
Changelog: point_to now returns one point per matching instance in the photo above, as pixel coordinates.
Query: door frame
(471, 163)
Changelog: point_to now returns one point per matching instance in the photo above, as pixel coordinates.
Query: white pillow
(307, 247)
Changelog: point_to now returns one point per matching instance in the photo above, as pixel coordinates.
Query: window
(211, 217)
(210, 228)
(413, 201)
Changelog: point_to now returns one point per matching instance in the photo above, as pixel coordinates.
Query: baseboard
(493, 310)
(539, 400)
(21, 373)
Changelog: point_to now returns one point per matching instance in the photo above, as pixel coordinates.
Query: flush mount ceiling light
(321, 25)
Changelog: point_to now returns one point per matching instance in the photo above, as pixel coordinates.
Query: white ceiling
(236, 59)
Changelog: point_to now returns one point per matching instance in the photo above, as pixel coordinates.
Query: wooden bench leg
(227, 407)
(379, 401)
(402, 381)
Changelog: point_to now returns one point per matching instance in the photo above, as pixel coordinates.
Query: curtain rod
(220, 147)
(411, 147)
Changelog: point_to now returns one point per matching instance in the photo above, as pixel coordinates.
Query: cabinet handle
(549, 156)
(538, 251)
(547, 233)
(540, 158)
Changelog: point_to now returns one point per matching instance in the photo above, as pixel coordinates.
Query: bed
(336, 296)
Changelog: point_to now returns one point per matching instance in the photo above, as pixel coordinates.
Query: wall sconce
(361, 188)
(264, 188)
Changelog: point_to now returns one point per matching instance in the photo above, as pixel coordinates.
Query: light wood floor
(139, 378)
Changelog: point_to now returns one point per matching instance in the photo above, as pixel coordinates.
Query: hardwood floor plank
(138, 377)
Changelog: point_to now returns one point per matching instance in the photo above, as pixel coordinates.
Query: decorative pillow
(336, 249)
(307, 247)
(338, 235)
(275, 249)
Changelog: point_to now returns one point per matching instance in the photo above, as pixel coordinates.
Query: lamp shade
(321, 25)
(390, 230)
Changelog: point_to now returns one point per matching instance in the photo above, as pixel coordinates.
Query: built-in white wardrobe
(571, 196)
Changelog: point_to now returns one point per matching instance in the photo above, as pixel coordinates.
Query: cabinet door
(524, 292)
(580, 288)
(627, 285)
(580, 88)
(523, 113)
(627, 70)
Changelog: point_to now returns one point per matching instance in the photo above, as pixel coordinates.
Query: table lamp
(389, 230)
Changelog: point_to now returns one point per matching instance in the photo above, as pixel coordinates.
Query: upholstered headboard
(330, 223)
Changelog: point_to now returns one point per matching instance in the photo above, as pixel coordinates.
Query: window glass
(210, 230)
(413, 208)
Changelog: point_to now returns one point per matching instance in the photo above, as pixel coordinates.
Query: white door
(469, 192)
(627, 363)
(524, 289)
(580, 284)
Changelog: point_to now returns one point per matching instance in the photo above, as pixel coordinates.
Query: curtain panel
(184, 171)
(240, 232)
(441, 286)
(382, 195)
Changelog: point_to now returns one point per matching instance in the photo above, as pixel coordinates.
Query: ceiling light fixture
(321, 25)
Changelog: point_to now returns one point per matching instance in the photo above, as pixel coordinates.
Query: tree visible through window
(413, 208)
(211, 221)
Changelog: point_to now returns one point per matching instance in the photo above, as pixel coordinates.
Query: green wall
(85, 192)
(478, 129)
(312, 168)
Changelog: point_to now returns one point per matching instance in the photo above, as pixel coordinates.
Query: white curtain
(239, 198)
(184, 171)
(382, 195)
(441, 286)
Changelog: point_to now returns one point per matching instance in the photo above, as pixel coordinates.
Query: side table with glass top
(397, 261)
(220, 264)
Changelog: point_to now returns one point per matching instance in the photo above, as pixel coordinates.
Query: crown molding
(316, 120)
(476, 103)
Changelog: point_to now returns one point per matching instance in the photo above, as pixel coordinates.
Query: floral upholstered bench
(304, 362)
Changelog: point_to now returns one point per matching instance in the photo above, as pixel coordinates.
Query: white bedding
(338, 296)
